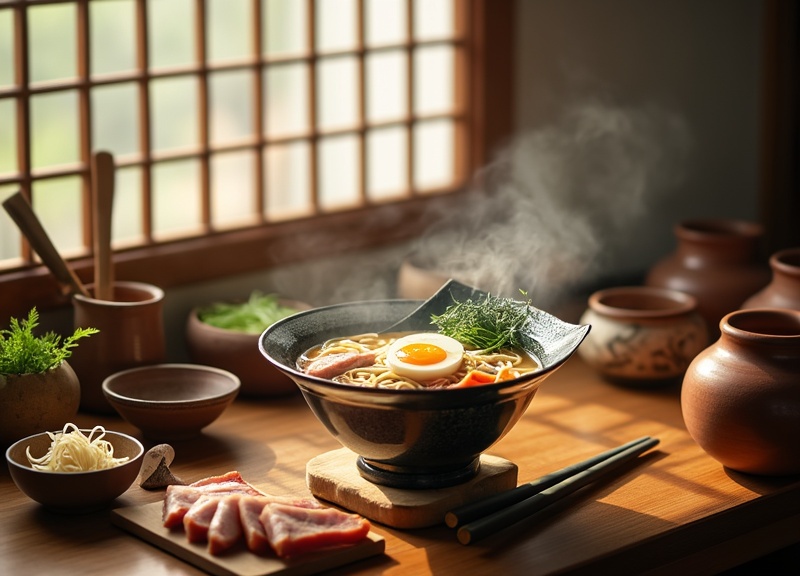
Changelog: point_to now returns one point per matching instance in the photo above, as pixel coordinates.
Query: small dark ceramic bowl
(74, 492)
(170, 402)
(413, 438)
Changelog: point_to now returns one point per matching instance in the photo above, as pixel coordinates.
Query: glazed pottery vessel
(741, 395)
(31, 403)
(641, 335)
(717, 262)
(237, 352)
(131, 333)
(783, 291)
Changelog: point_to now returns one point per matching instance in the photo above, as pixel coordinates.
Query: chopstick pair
(474, 521)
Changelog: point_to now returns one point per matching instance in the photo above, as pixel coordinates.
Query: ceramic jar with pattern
(642, 336)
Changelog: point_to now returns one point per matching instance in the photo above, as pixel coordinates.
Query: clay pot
(642, 336)
(238, 352)
(717, 262)
(33, 403)
(740, 396)
(415, 281)
(784, 289)
(131, 334)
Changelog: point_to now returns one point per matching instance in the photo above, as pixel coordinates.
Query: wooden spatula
(102, 204)
(22, 213)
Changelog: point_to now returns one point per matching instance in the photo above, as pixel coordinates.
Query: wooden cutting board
(333, 476)
(145, 522)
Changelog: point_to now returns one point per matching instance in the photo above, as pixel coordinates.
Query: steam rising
(552, 213)
(556, 206)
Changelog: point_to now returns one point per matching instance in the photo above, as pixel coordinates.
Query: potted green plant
(38, 389)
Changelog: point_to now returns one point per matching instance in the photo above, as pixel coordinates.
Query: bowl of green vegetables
(226, 334)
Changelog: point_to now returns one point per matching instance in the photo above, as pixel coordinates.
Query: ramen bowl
(74, 492)
(414, 438)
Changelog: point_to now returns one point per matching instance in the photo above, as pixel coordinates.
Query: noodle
(380, 375)
(73, 452)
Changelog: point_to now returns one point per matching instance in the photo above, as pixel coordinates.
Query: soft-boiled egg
(425, 356)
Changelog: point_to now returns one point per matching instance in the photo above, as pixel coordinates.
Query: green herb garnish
(252, 317)
(487, 324)
(23, 353)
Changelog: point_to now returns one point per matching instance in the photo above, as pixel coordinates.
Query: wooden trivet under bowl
(333, 476)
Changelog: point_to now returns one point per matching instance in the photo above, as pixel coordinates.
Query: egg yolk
(421, 354)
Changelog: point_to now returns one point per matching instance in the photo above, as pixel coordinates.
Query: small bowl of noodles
(75, 470)
(410, 387)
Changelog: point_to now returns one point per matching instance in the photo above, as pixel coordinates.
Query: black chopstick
(469, 512)
(532, 505)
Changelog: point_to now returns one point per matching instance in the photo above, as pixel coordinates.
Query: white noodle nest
(72, 451)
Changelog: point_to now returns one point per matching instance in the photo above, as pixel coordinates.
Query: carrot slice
(475, 378)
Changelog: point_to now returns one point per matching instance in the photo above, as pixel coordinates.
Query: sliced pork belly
(336, 364)
(198, 519)
(179, 499)
(250, 509)
(225, 529)
(177, 502)
(232, 476)
(293, 531)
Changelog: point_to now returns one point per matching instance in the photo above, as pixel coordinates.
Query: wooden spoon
(22, 213)
(102, 204)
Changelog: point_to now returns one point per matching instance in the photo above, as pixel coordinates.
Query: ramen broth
(411, 360)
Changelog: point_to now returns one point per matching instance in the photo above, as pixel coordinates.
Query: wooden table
(675, 510)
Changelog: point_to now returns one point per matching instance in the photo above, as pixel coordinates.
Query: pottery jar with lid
(717, 261)
(783, 291)
(642, 336)
(741, 395)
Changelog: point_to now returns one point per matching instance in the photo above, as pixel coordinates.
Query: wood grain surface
(676, 509)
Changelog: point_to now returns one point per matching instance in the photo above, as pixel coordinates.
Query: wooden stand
(333, 476)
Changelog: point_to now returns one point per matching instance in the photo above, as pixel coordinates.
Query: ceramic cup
(131, 334)
(642, 336)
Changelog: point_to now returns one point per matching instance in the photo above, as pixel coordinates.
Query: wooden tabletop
(675, 509)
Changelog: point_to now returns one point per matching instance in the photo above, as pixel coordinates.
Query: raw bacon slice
(250, 509)
(225, 529)
(232, 476)
(293, 531)
(198, 519)
(336, 364)
(177, 502)
(179, 499)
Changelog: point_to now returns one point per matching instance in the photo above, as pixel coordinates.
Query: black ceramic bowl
(413, 438)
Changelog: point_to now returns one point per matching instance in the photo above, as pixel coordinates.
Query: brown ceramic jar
(784, 289)
(741, 395)
(717, 262)
(131, 334)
